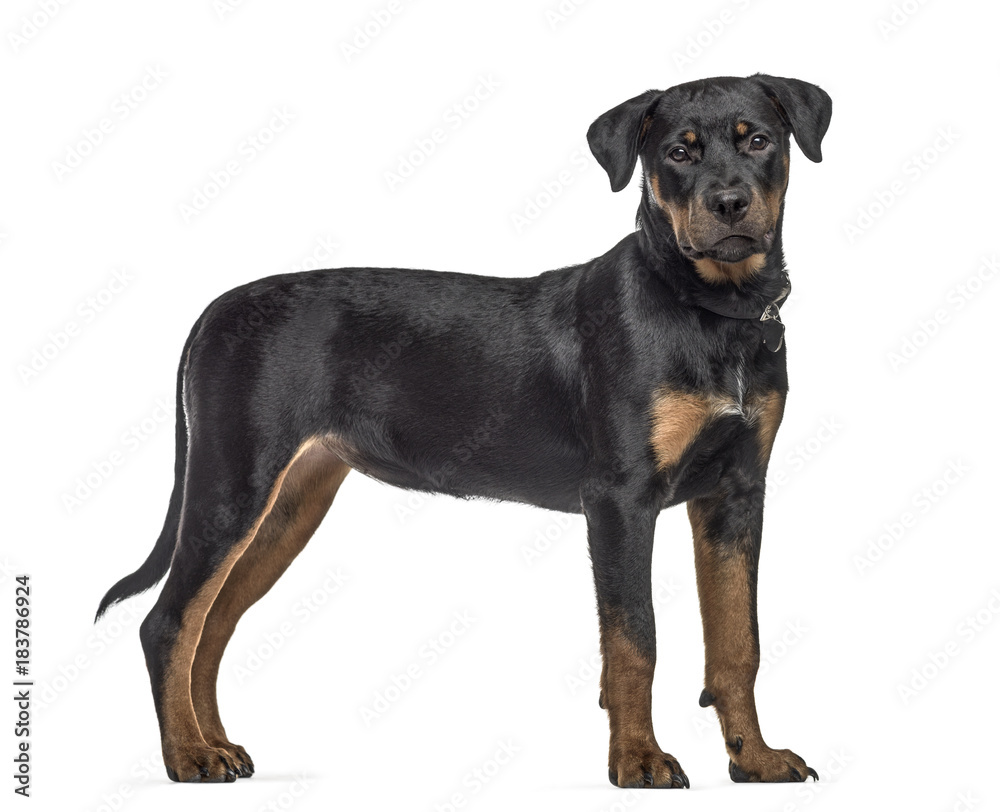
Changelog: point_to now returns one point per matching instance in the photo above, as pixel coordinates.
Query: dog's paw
(200, 764)
(764, 765)
(645, 765)
(237, 755)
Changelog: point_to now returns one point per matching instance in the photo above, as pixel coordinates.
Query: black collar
(769, 319)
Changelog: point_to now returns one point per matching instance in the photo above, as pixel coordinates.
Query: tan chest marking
(677, 418)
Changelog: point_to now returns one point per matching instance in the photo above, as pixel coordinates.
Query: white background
(864, 437)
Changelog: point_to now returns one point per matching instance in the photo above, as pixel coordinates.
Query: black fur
(537, 390)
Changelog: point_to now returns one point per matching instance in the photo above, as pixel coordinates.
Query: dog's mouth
(731, 248)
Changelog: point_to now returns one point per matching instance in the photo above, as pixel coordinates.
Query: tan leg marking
(766, 412)
(628, 688)
(634, 758)
(732, 657)
(306, 494)
(182, 735)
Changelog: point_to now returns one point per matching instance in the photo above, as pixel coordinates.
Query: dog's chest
(734, 397)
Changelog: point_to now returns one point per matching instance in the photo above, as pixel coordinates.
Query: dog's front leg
(620, 529)
(727, 535)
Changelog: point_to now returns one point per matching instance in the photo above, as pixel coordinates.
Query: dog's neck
(750, 285)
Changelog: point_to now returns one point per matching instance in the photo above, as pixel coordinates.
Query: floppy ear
(616, 136)
(805, 107)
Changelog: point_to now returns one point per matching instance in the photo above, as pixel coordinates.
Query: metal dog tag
(773, 328)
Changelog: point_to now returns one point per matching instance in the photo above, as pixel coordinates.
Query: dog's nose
(729, 205)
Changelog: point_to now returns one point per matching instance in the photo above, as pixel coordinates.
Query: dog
(650, 376)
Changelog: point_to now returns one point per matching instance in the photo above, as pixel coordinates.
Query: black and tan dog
(650, 376)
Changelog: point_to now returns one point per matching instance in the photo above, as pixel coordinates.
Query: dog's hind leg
(231, 486)
(309, 487)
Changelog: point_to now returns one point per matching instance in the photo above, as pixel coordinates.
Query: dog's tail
(158, 562)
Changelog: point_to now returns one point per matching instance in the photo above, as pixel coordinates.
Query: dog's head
(714, 155)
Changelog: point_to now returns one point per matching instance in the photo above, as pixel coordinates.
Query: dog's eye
(758, 142)
(679, 155)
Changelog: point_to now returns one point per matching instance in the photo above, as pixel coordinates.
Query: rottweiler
(647, 377)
